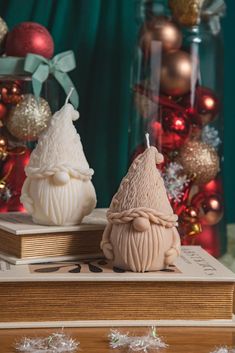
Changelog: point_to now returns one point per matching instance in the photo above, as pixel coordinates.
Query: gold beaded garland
(28, 118)
(199, 161)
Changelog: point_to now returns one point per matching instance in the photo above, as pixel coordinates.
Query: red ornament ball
(3, 111)
(205, 107)
(10, 93)
(29, 37)
(190, 214)
(213, 187)
(165, 140)
(208, 239)
(14, 169)
(176, 122)
(171, 131)
(210, 208)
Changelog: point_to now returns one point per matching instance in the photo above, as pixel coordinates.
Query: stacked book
(57, 276)
(22, 241)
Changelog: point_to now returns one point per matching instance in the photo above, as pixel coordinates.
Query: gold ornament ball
(186, 12)
(28, 118)
(200, 161)
(3, 31)
(176, 73)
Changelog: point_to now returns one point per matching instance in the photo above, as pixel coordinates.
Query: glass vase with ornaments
(177, 87)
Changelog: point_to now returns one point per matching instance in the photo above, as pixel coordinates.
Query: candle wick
(69, 95)
(147, 140)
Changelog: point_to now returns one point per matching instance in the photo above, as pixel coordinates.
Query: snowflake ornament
(175, 181)
(211, 136)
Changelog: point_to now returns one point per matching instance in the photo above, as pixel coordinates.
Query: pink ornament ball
(29, 37)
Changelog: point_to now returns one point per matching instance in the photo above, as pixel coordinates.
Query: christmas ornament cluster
(179, 113)
(23, 117)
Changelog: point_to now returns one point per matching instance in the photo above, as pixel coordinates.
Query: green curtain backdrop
(102, 35)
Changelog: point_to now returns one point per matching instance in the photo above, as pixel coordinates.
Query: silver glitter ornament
(28, 118)
(3, 31)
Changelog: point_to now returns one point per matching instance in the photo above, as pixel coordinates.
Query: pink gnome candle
(141, 234)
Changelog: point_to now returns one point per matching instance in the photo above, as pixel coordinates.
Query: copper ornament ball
(29, 37)
(159, 29)
(199, 160)
(176, 73)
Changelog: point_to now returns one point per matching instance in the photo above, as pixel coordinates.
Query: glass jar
(22, 119)
(177, 86)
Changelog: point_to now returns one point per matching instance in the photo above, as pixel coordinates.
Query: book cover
(194, 264)
(21, 223)
(196, 290)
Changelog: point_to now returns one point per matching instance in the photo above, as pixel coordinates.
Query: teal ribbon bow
(59, 66)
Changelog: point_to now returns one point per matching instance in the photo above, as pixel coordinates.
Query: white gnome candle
(141, 234)
(58, 188)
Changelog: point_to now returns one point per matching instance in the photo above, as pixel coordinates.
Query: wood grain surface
(94, 340)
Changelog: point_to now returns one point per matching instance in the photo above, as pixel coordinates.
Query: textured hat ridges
(143, 186)
(59, 145)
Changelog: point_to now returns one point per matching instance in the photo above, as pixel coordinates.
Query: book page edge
(120, 323)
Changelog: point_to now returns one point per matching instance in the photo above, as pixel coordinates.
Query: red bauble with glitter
(29, 37)
(171, 131)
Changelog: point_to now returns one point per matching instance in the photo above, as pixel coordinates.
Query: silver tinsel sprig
(57, 342)
(223, 350)
(175, 181)
(211, 136)
(145, 344)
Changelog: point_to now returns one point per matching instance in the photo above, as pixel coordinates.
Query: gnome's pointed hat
(59, 148)
(142, 193)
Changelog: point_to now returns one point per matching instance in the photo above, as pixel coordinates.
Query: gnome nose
(61, 178)
(141, 224)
